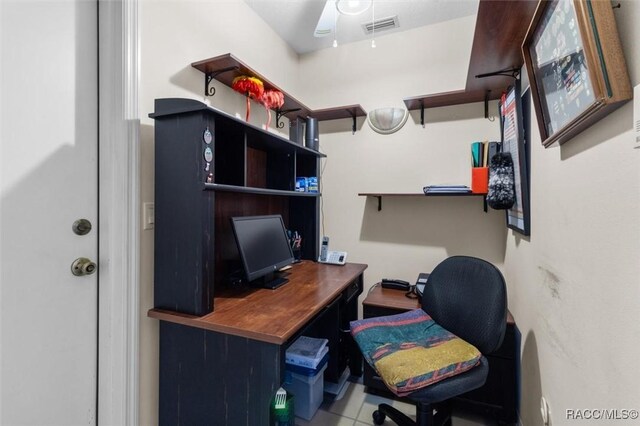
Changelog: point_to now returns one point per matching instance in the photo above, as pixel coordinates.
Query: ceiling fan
(334, 8)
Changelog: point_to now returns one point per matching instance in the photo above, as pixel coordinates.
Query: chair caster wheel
(378, 417)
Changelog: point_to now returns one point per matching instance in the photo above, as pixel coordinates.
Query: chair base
(424, 415)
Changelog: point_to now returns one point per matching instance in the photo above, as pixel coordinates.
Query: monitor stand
(271, 281)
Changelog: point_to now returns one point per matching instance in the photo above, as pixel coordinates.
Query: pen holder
(479, 180)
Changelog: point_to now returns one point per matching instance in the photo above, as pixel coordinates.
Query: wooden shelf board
(227, 60)
(418, 194)
(457, 97)
(348, 111)
(500, 30)
(264, 191)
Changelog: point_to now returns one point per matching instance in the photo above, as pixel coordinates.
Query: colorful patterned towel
(410, 351)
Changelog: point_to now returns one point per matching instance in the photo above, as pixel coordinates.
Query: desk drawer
(353, 290)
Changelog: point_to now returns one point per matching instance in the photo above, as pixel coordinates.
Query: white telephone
(332, 257)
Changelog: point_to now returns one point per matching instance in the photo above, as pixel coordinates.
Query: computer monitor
(264, 248)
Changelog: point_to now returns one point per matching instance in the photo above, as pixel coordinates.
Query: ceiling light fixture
(353, 7)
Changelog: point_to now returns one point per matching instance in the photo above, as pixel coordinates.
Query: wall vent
(383, 24)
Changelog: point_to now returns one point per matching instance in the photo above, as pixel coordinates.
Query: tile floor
(356, 406)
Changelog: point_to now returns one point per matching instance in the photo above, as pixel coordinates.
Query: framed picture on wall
(576, 67)
(513, 141)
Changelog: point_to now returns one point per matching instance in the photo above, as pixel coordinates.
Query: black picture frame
(515, 134)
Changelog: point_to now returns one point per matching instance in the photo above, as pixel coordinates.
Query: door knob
(83, 266)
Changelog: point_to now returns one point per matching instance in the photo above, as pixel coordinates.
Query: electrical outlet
(149, 215)
(544, 410)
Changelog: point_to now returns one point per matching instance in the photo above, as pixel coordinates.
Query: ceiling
(295, 20)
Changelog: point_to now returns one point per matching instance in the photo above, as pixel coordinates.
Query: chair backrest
(468, 297)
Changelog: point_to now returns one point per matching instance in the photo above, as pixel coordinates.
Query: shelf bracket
(379, 197)
(422, 113)
(484, 203)
(486, 104)
(353, 126)
(280, 113)
(507, 72)
(209, 90)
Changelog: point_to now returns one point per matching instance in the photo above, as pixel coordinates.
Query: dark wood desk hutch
(222, 346)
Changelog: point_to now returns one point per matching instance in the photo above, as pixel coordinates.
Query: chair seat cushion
(410, 350)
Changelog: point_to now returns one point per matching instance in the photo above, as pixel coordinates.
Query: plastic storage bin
(307, 390)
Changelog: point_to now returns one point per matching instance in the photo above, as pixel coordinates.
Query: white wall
(173, 35)
(410, 234)
(574, 284)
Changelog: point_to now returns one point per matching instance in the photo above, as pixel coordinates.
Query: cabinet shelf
(263, 191)
(379, 196)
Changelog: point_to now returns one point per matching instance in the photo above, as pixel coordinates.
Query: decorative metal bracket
(422, 113)
(280, 113)
(486, 104)
(208, 77)
(508, 72)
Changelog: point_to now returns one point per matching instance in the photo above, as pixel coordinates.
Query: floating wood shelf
(225, 68)
(379, 195)
(500, 30)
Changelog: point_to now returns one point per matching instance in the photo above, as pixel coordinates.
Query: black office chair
(468, 297)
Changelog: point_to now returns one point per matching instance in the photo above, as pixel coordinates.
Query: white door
(48, 179)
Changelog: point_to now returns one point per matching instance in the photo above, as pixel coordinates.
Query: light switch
(149, 216)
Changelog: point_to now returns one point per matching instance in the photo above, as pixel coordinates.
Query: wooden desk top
(272, 315)
(395, 299)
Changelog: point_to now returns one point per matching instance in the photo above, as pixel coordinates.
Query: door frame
(119, 213)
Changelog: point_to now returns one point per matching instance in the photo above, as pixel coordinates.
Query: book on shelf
(306, 351)
(446, 189)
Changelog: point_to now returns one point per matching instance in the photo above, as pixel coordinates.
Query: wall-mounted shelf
(495, 52)
(225, 68)
(379, 196)
(349, 111)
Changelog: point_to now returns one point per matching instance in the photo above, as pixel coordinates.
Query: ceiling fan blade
(327, 20)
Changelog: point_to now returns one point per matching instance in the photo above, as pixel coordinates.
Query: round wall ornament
(387, 120)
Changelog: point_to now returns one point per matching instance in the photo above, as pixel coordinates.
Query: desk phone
(331, 257)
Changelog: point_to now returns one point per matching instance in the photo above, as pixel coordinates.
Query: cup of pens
(295, 241)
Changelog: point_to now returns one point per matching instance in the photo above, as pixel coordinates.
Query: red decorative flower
(271, 99)
(251, 87)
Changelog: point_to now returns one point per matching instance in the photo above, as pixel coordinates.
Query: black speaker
(311, 139)
(296, 130)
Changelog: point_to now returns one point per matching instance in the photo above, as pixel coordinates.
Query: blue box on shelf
(301, 184)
